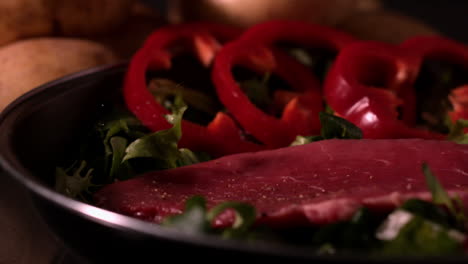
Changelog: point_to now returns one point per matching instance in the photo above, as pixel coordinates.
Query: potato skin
(20, 19)
(25, 18)
(130, 36)
(30, 63)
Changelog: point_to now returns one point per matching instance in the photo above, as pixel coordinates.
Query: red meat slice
(317, 183)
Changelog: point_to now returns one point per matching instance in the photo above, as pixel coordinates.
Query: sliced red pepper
(369, 81)
(459, 100)
(156, 54)
(300, 116)
(448, 50)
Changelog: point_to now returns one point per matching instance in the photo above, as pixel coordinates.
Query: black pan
(36, 132)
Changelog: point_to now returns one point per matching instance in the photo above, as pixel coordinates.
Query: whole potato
(25, 18)
(29, 63)
(129, 37)
(21, 19)
(90, 17)
(249, 12)
(386, 26)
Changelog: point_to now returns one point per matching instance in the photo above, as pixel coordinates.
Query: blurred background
(68, 36)
(42, 40)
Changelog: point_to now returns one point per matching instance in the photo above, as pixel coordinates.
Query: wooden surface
(24, 238)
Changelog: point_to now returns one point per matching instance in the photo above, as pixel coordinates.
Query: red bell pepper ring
(156, 54)
(296, 117)
(300, 115)
(459, 100)
(370, 80)
(448, 50)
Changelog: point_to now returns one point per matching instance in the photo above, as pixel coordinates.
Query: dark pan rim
(13, 167)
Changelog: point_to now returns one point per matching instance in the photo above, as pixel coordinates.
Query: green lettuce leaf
(245, 218)
(337, 127)
(441, 197)
(161, 145)
(193, 219)
(418, 236)
(457, 133)
(332, 127)
(196, 219)
(118, 146)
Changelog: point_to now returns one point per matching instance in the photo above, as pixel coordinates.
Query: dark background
(449, 16)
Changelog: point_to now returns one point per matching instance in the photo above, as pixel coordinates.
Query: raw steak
(317, 183)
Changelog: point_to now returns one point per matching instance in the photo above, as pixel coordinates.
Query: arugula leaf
(329, 110)
(423, 228)
(457, 133)
(118, 146)
(418, 236)
(332, 127)
(337, 127)
(441, 197)
(428, 211)
(71, 183)
(197, 220)
(245, 217)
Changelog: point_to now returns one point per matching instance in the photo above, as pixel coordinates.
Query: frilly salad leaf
(161, 145)
(116, 132)
(121, 148)
(72, 183)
